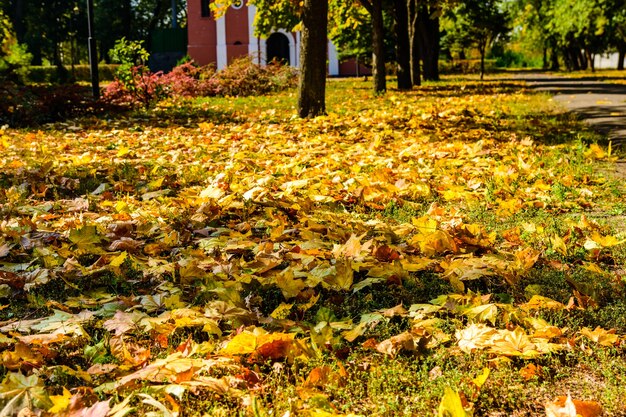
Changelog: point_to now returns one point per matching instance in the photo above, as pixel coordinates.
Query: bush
(134, 83)
(465, 66)
(32, 105)
(138, 87)
(14, 59)
(511, 59)
(189, 80)
(241, 78)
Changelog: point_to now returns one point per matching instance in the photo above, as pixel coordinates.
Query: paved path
(602, 104)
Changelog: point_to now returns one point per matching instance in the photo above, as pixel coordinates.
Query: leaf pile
(142, 265)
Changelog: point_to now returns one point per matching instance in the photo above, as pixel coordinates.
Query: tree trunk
(482, 47)
(378, 46)
(621, 54)
(429, 42)
(589, 58)
(18, 20)
(582, 58)
(61, 72)
(571, 59)
(554, 59)
(314, 44)
(413, 43)
(403, 46)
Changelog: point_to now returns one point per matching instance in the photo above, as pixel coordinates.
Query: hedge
(466, 66)
(48, 74)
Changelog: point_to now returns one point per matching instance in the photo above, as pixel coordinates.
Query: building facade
(219, 41)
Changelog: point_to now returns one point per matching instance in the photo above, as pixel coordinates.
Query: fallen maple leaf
(60, 402)
(175, 368)
(451, 405)
(530, 371)
(566, 407)
(18, 392)
(475, 336)
(601, 336)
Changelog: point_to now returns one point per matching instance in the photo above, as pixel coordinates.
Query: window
(237, 4)
(205, 10)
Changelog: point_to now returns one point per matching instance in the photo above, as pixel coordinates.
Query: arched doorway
(278, 48)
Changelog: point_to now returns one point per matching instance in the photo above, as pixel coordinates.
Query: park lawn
(455, 249)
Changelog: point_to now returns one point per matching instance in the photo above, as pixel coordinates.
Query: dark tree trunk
(378, 55)
(413, 42)
(429, 42)
(314, 44)
(375, 9)
(18, 19)
(582, 59)
(61, 72)
(621, 54)
(589, 58)
(403, 46)
(545, 64)
(572, 59)
(554, 59)
(482, 47)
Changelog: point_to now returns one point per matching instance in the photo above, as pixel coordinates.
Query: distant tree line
(55, 31)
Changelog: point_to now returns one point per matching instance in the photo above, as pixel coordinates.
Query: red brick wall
(348, 68)
(202, 38)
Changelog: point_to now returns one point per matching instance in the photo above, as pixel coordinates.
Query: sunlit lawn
(219, 256)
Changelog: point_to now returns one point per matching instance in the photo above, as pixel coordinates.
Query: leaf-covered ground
(457, 249)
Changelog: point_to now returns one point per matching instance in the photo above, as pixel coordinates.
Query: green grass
(201, 252)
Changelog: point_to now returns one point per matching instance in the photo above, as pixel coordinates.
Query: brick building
(221, 40)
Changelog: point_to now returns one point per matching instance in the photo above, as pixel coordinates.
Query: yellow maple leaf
(597, 241)
(282, 311)
(595, 152)
(289, 285)
(514, 343)
(343, 277)
(452, 406)
(481, 378)
(434, 243)
(538, 301)
(60, 402)
(601, 336)
(242, 344)
(558, 245)
(475, 336)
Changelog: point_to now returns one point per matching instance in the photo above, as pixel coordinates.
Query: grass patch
(264, 264)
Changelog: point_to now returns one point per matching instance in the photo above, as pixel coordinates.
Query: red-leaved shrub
(242, 77)
(141, 87)
(189, 80)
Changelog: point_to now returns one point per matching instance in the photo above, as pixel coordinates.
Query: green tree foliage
(475, 23)
(350, 29)
(14, 57)
(618, 31)
(55, 31)
(575, 30)
(580, 25)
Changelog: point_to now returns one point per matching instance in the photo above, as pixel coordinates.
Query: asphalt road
(601, 104)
